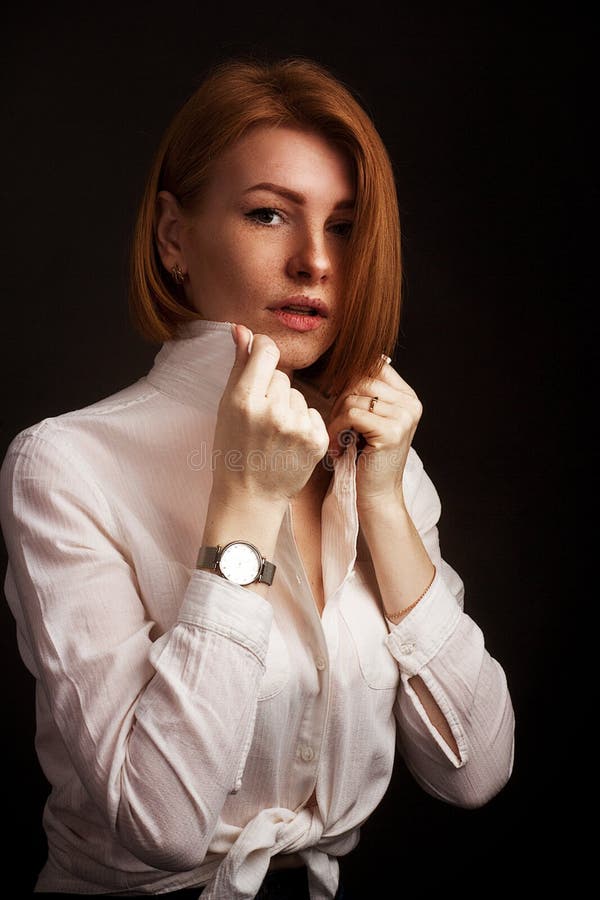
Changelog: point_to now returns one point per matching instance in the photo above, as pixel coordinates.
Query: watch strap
(267, 572)
(208, 558)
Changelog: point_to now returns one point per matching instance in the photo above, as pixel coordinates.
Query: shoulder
(70, 459)
(72, 442)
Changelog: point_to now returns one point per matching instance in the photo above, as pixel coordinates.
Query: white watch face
(240, 563)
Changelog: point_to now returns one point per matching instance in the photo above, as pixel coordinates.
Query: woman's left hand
(385, 411)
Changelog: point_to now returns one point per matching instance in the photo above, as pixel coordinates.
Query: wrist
(383, 507)
(241, 518)
(243, 500)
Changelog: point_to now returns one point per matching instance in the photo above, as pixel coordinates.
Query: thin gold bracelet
(402, 612)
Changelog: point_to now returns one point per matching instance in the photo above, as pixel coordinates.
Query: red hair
(236, 96)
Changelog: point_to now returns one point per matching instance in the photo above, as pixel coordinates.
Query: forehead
(303, 161)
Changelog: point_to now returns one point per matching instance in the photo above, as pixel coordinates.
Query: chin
(299, 352)
(295, 361)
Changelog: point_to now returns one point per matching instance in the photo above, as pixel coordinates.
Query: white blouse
(184, 722)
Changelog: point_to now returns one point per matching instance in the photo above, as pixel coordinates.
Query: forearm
(402, 564)
(404, 571)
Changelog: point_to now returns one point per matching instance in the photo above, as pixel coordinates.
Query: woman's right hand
(267, 440)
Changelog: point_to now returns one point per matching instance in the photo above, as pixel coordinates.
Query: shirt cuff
(217, 605)
(415, 640)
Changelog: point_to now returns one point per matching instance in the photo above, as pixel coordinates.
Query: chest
(306, 523)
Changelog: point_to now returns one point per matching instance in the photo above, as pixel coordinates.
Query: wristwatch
(238, 562)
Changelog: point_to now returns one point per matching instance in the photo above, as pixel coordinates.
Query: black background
(480, 107)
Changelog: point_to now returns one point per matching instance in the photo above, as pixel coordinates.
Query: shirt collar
(194, 366)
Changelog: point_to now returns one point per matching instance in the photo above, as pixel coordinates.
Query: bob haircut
(238, 95)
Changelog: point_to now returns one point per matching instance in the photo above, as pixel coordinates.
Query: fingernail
(250, 342)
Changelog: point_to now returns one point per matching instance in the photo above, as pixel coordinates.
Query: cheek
(338, 256)
(240, 258)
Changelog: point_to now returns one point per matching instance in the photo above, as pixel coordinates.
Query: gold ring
(372, 403)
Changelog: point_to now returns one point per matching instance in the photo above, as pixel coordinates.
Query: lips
(300, 310)
(302, 306)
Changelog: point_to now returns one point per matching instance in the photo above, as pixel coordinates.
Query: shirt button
(299, 579)
(320, 663)
(407, 647)
(307, 753)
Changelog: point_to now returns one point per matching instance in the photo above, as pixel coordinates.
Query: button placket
(306, 753)
(312, 727)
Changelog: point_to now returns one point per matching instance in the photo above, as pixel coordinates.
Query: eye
(265, 215)
(342, 229)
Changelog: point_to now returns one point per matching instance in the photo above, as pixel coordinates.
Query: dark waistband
(279, 884)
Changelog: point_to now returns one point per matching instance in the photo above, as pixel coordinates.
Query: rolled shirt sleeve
(441, 644)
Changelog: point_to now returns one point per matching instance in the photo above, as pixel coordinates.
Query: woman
(226, 577)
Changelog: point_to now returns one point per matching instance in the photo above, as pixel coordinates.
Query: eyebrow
(294, 196)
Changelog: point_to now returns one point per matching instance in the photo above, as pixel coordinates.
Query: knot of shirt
(272, 831)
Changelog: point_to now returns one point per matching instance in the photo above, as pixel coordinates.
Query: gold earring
(177, 273)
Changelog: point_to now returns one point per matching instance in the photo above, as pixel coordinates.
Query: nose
(309, 259)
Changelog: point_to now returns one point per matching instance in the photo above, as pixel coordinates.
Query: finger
(362, 422)
(242, 338)
(389, 387)
(362, 393)
(319, 429)
(377, 389)
(257, 373)
(340, 437)
(387, 375)
(297, 400)
(279, 387)
(390, 376)
(373, 404)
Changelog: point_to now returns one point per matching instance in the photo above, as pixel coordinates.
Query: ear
(169, 222)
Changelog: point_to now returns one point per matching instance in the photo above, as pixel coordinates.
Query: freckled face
(271, 231)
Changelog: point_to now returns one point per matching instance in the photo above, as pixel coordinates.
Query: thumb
(242, 338)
